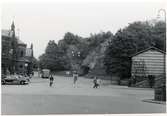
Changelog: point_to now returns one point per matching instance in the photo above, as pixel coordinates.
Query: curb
(153, 101)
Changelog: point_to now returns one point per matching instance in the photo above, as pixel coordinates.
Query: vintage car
(15, 79)
(45, 73)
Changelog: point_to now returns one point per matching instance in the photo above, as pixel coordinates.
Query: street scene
(83, 58)
(38, 98)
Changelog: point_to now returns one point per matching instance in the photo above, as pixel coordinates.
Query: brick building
(16, 57)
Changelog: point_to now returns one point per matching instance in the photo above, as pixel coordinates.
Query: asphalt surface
(64, 98)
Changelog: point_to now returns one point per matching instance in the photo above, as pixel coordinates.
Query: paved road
(64, 98)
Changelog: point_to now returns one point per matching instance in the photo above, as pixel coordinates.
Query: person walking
(68, 73)
(96, 82)
(75, 77)
(51, 80)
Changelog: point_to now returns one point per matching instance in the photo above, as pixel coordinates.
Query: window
(21, 54)
(21, 66)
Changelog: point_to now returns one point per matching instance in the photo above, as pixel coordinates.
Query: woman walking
(75, 77)
(51, 80)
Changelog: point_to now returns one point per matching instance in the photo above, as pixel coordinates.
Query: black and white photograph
(77, 57)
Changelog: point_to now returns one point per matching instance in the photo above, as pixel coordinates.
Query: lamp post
(161, 88)
(26, 65)
(161, 10)
(158, 16)
(75, 56)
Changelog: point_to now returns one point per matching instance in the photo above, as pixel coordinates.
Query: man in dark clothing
(51, 80)
(75, 77)
(96, 84)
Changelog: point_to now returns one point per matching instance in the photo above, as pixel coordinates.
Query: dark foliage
(136, 37)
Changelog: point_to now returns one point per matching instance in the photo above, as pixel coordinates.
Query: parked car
(15, 79)
(3, 76)
(45, 73)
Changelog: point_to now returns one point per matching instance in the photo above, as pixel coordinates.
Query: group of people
(75, 78)
(96, 81)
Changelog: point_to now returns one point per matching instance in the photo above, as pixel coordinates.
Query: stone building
(16, 57)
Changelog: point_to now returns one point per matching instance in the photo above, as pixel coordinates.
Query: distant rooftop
(20, 42)
(8, 33)
(150, 48)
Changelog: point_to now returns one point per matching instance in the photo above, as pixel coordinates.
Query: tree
(136, 37)
(70, 38)
(52, 58)
(159, 35)
(96, 39)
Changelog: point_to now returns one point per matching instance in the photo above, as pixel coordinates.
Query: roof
(23, 59)
(150, 48)
(7, 33)
(20, 42)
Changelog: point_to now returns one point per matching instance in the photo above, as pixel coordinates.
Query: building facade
(148, 62)
(6, 61)
(16, 57)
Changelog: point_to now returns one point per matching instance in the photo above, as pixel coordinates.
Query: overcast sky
(40, 22)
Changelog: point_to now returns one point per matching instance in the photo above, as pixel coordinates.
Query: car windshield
(45, 70)
(12, 76)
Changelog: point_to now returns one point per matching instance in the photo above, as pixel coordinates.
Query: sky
(39, 22)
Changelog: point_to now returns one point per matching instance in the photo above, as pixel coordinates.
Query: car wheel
(3, 82)
(22, 82)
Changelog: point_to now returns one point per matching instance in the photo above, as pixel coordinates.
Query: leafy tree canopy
(133, 38)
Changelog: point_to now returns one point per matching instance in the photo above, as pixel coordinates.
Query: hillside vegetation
(103, 53)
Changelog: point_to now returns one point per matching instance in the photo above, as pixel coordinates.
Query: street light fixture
(78, 54)
(75, 56)
(163, 96)
(158, 16)
(26, 67)
(161, 10)
(73, 53)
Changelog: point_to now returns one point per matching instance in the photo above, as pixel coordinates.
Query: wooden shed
(148, 62)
